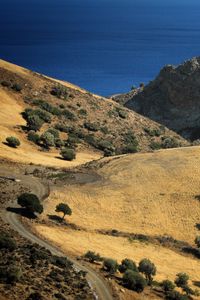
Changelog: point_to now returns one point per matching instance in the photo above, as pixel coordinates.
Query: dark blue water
(105, 46)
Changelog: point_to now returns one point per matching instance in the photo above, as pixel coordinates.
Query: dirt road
(99, 286)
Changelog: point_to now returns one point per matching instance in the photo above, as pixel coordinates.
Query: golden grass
(152, 193)
(10, 117)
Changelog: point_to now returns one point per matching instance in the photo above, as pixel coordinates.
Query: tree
(13, 141)
(148, 269)
(134, 281)
(64, 208)
(175, 295)
(68, 154)
(127, 264)
(197, 241)
(34, 122)
(31, 202)
(47, 139)
(110, 265)
(168, 285)
(6, 242)
(92, 256)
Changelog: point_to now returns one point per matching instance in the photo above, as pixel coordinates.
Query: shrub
(60, 92)
(44, 115)
(6, 242)
(64, 208)
(121, 113)
(13, 141)
(59, 143)
(82, 112)
(197, 241)
(47, 140)
(104, 129)
(110, 265)
(48, 107)
(148, 269)
(131, 148)
(33, 137)
(127, 264)
(134, 281)
(167, 285)
(34, 122)
(68, 154)
(54, 132)
(155, 145)
(5, 83)
(175, 295)
(181, 279)
(30, 202)
(92, 256)
(107, 147)
(10, 274)
(170, 142)
(68, 114)
(61, 262)
(16, 87)
(153, 132)
(131, 143)
(91, 126)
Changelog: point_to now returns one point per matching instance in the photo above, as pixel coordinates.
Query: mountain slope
(91, 124)
(173, 99)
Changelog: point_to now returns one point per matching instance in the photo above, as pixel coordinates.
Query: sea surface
(105, 46)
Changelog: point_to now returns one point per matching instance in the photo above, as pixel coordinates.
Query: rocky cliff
(173, 98)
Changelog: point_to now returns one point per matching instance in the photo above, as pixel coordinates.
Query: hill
(144, 205)
(92, 125)
(172, 98)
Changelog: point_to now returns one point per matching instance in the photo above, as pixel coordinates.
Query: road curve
(99, 286)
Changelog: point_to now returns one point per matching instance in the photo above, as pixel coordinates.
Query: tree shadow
(22, 212)
(56, 218)
(197, 225)
(196, 283)
(197, 197)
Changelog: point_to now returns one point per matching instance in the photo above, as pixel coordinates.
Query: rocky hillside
(47, 114)
(173, 99)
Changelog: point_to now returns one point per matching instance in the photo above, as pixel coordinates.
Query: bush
(33, 137)
(153, 132)
(16, 87)
(170, 142)
(30, 202)
(6, 242)
(68, 114)
(59, 143)
(91, 126)
(181, 279)
(34, 122)
(44, 115)
(82, 112)
(104, 129)
(64, 208)
(92, 256)
(68, 154)
(167, 285)
(155, 145)
(148, 269)
(5, 83)
(13, 141)
(61, 262)
(131, 148)
(60, 91)
(47, 140)
(107, 147)
(48, 107)
(10, 274)
(127, 264)
(175, 295)
(121, 113)
(134, 281)
(110, 265)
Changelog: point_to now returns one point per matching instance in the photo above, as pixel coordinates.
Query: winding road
(98, 285)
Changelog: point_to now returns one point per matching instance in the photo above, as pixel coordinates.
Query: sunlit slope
(152, 193)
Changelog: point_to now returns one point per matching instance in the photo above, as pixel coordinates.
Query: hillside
(92, 125)
(153, 195)
(172, 99)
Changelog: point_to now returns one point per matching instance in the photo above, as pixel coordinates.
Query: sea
(104, 46)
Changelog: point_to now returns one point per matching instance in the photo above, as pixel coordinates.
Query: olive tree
(64, 208)
(31, 202)
(148, 269)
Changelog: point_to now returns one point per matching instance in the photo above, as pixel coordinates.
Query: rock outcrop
(173, 99)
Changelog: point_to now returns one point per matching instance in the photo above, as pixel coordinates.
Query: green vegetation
(170, 142)
(153, 132)
(155, 145)
(91, 126)
(92, 256)
(131, 143)
(148, 269)
(10, 274)
(33, 137)
(82, 112)
(31, 202)
(167, 286)
(16, 87)
(34, 122)
(110, 265)
(127, 264)
(64, 208)
(60, 92)
(47, 139)
(68, 154)
(134, 281)
(68, 115)
(6, 242)
(13, 141)
(5, 83)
